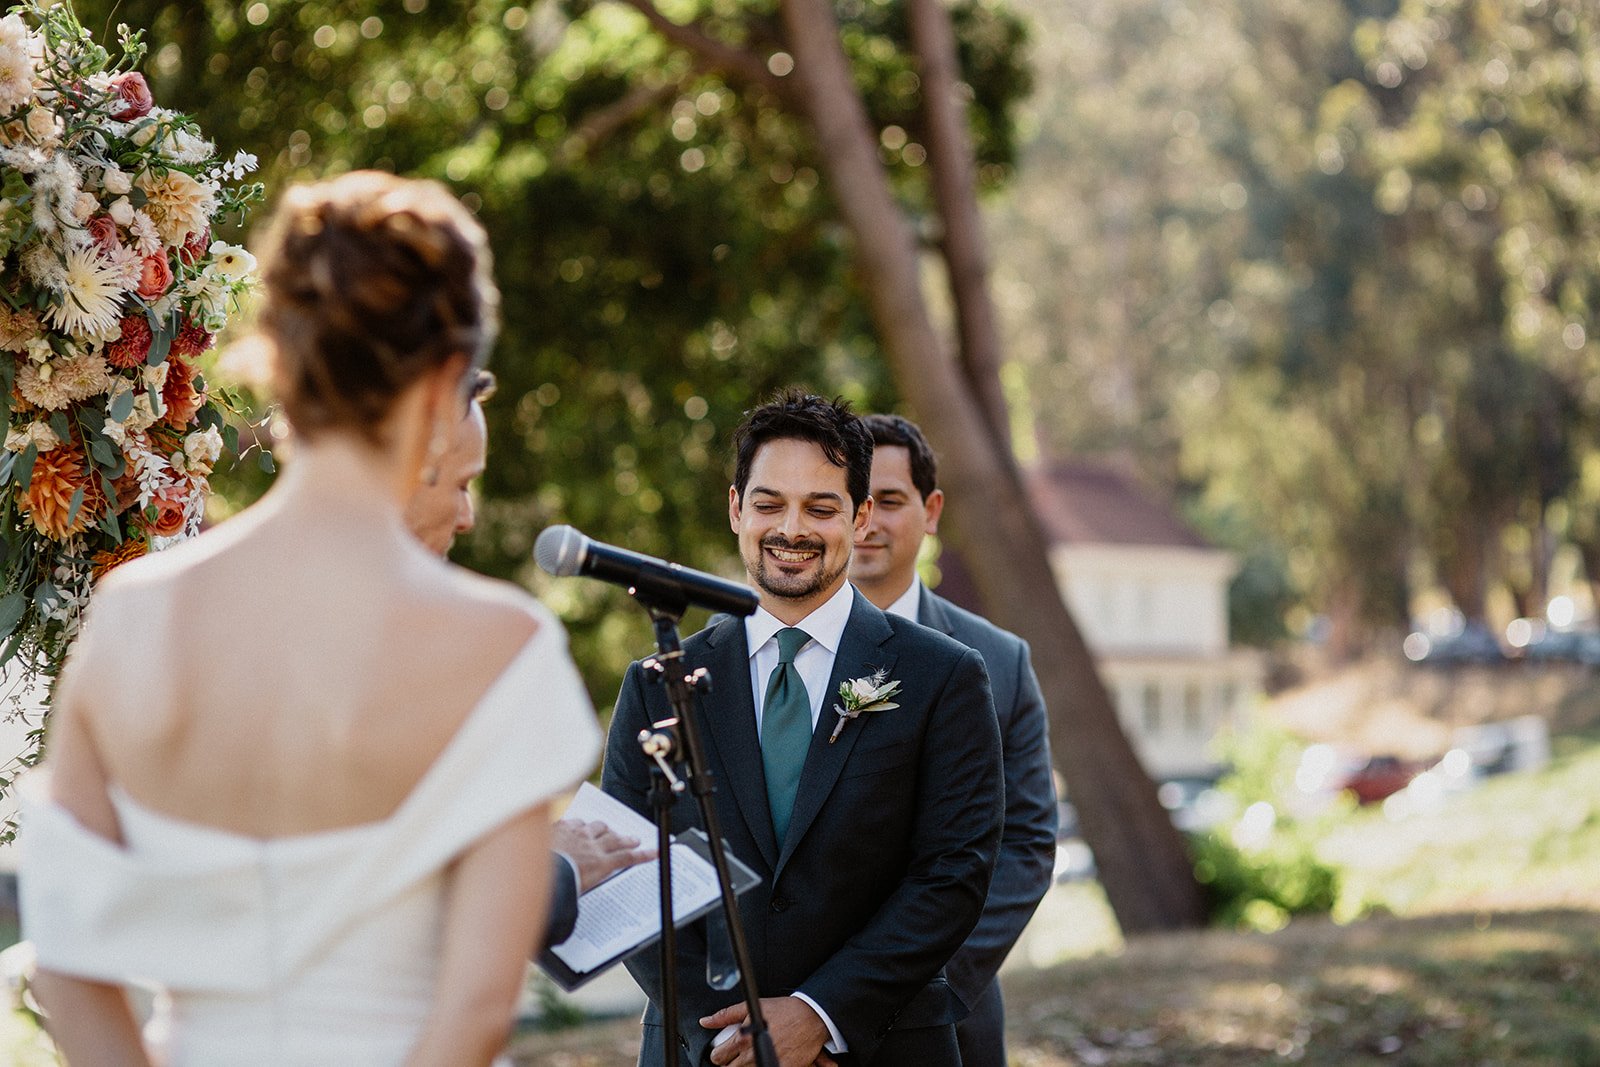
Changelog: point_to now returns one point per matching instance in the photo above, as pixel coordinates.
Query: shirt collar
(907, 604)
(825, 625)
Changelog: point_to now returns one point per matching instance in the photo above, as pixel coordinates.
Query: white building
(1152, 599)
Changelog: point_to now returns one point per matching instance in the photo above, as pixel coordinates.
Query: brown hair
(371, 281)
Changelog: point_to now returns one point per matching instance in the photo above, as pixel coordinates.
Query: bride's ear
(444, 405)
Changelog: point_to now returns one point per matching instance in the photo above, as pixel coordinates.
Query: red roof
(1087, 503)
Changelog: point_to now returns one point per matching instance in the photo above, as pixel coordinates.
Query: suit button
(779, 904)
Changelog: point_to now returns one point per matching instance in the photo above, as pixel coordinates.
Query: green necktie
(785, 730)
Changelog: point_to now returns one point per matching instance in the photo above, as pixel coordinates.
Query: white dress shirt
(814, 661)
(908, 603)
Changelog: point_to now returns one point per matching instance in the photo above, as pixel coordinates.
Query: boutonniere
(871, 693)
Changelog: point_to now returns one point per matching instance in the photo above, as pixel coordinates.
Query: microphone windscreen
(560, 551)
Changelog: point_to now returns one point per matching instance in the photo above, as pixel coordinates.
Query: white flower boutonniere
(871, 693)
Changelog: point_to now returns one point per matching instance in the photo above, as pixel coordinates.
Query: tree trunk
(955, 181)
(1143, 863)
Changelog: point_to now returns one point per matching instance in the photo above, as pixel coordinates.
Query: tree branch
(966, 253)
(718, 56)
(602, 124)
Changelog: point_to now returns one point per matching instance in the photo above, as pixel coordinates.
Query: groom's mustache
(802, 545)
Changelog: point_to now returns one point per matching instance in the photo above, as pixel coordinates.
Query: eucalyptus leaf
(25, 464)
(122, 406)
(76, 505)
(7, 463)
(58, 423)
(265, 462)
(12, 608)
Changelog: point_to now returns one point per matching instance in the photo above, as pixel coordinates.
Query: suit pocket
(879, 759)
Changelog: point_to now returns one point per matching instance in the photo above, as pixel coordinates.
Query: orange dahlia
(111, 558)
(182, 399)
(57, 476)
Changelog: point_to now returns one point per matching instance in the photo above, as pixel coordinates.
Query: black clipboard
(740, 873)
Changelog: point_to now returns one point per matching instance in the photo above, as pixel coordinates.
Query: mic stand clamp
(676, 741)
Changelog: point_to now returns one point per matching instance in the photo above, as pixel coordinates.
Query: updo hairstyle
(371, 281)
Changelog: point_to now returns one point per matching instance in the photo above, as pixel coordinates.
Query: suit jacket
(891, 842)
(1028, 841)
(563, 901)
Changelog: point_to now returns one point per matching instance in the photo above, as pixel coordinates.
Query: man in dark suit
(907, 503)
(438, 512)
(875, 835)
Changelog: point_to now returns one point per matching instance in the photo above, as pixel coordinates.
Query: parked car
(1473, 643)
(1378, 778)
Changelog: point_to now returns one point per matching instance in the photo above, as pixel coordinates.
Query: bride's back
(282, 680)
(300, 667)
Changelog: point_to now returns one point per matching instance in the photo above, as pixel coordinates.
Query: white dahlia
(38, 386)
(177, 204)
(83, 375)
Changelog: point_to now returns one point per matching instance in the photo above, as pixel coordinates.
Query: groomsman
(440, 510)
(907, 503)
(875, 833)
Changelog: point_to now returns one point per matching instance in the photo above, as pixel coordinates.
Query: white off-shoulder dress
(317, 948)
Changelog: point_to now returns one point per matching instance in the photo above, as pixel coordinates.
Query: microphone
(565, 553)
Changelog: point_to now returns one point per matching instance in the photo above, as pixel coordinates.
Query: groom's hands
(798, 1034)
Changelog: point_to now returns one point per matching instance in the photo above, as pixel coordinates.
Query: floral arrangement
(111, 289)
(861, 695)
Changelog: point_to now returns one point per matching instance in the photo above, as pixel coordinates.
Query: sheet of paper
(625, 910)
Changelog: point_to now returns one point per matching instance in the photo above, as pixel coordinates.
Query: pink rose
(154, 276)
(103, 232)
(135, 95)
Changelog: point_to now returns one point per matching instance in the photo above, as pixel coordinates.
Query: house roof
(1086, 503)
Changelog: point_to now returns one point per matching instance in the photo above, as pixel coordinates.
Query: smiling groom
(875, 832)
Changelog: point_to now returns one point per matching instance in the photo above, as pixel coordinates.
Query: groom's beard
(819, 574)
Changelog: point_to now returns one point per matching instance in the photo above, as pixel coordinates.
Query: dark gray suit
(563, 901)
(890, 849)
(1028, 843)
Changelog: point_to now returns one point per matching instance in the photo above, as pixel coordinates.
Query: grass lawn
(1481, 949)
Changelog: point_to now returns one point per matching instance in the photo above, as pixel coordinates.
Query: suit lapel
(860, 653)
(931, 612)
(731, 711)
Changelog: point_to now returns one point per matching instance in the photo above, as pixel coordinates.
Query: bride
(299, 766)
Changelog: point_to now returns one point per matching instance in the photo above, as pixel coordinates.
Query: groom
(875, 835)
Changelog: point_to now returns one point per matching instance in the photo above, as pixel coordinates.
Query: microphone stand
(677, 740)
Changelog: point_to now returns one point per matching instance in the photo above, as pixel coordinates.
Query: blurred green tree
(669, 253)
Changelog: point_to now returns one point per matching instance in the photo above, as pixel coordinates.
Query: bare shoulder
(494, 610)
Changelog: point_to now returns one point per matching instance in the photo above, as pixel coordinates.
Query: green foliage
(1262, 889)
(667, 252)
(1326, 268)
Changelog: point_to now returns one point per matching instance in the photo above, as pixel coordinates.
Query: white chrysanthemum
(16, 72)
(177, 204)
(91, 294)
(83, 375)
(38, 386)
(127, 263)
(144, 234)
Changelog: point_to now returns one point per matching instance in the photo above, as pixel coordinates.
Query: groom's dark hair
(829, 424)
